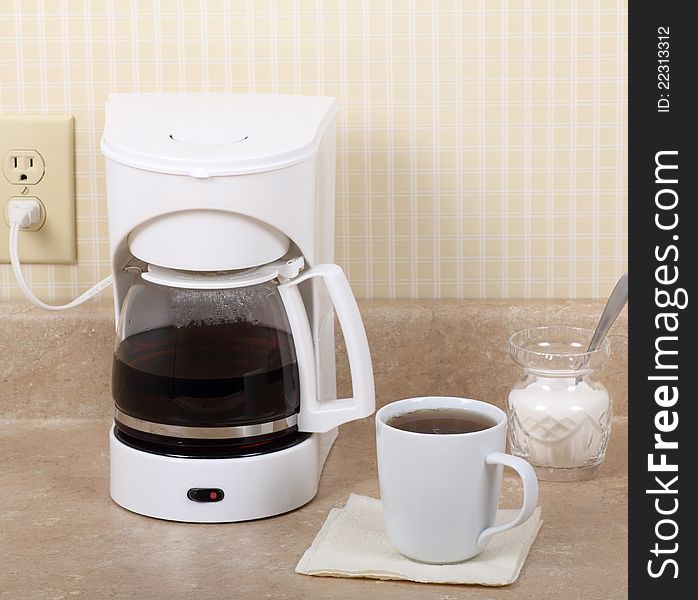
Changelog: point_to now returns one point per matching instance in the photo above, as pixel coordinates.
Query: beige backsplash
(59, 365)
(481, 146)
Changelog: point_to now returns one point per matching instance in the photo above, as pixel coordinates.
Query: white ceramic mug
(440, 492)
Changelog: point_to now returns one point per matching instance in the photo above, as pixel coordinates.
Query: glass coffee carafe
(206, 364)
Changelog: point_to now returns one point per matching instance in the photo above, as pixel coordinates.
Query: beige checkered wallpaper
(481, 147)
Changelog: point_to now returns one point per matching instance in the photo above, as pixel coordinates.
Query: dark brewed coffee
(441, 420)
(221, 375)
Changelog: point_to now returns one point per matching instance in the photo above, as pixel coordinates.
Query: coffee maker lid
(212, 134)
(222, 280)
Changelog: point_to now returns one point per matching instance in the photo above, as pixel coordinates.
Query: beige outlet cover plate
(51, 136)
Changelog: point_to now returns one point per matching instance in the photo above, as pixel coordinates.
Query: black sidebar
(663, 168)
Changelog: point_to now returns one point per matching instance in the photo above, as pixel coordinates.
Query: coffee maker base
(219, 490)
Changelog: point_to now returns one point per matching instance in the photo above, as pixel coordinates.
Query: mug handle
(530, 493)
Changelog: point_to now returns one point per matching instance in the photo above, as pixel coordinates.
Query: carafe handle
(317, 416)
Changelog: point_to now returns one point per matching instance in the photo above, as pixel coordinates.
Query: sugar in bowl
(559, 414)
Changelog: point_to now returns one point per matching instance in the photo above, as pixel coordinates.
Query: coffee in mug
(441, 421)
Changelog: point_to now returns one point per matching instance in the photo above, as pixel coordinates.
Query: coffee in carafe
(221, 378)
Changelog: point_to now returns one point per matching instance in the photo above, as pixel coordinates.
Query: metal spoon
(616, 302)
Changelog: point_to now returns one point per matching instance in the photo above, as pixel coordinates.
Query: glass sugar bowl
(559, 416)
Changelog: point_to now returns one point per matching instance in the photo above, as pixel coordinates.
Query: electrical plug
(24, 212)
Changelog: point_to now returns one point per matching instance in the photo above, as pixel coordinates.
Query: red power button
(205, 494)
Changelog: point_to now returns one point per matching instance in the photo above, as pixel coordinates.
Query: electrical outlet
(38, 162)
(23, 167)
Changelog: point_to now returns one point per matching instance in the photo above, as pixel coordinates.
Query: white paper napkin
(353, 543)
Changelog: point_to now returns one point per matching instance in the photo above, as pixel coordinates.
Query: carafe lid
(222, 280)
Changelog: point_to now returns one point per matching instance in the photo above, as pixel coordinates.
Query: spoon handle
(616, 302)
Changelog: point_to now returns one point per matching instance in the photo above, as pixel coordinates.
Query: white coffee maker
(221, 226)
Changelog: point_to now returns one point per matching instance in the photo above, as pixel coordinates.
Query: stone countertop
(62, 537)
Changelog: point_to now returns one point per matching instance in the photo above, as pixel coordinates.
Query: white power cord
(23, 214)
